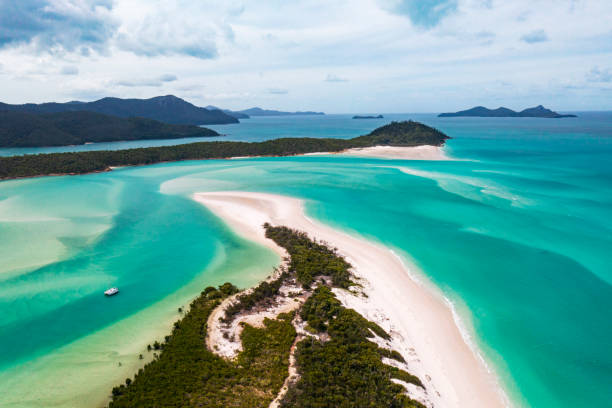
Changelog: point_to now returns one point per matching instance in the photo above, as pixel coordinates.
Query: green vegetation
(346, 370)
(396, 134)
(22, 129)
(310, 259)
(343, 369)
(265, 291)
(407, 133)
(186, 374)
(307, 260)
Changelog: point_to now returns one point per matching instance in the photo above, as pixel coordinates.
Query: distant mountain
(268, 112)
(168, 109)
(501, 112)
(234, 114)
(367, 117)
(26, 129)
(541, 112)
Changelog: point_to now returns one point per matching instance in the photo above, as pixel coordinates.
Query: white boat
(111, 292)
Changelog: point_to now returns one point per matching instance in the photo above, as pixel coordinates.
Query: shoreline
(422, 152)
(423, 323)
(56, 382)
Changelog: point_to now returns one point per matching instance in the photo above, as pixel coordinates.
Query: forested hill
(23, 129)
(394, 134)
(168, 109)
(271, 112)
(406, 133)
(501, 112)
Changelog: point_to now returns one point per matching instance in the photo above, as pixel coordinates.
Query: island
(278, 344)
(367, 117)
(270, 112)
(247, 113)
(399, 134)
(501, 112)
(25, 129)
(168, 109)
(235, 114)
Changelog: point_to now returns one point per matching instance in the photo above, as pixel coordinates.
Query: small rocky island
(368, 117)
(501, 112)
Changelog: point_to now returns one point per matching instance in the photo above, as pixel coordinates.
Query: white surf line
(420, 320)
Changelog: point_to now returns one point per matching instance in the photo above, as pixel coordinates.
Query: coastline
(52, 380)
(423, 152)
(422, 323)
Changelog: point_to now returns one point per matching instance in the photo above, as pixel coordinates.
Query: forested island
(407, 133)
(337, 361)
(368, 117)
(501, 112)
(26, 129)
(256, 111)
(235, 114)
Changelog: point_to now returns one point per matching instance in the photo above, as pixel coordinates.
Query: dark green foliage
(226, 289)
(22, 129)
(391, 354)
(260, 294)
(406, 377)
(346, 370)
(310, 259)
(406, 133)
(322, 309)
(187, 374)
(396, 133)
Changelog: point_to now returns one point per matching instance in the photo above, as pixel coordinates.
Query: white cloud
(155, 82)
(599, 75)
(69, 70)
(535, 37)
(168, 78)
(236, 54)
(160, 28)
(278, 91)
(57, 26)
(334, 78)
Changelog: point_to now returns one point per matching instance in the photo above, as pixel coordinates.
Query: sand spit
(399, 152)
(419, 319)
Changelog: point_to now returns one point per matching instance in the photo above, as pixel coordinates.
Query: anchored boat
(111, 292)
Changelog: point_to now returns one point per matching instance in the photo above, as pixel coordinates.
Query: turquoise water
(517, 233)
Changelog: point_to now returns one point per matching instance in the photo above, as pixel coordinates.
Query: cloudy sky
(338, 56)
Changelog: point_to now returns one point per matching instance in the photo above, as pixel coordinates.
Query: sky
(365, 56)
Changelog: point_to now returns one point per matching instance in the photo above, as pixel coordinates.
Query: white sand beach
(399, 152)
(425, 152)
(418, 317)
